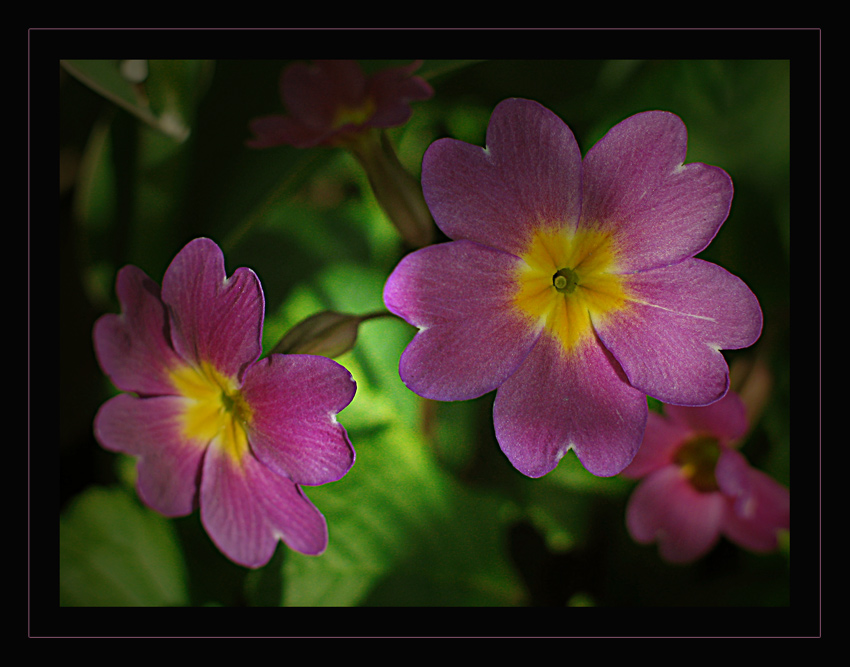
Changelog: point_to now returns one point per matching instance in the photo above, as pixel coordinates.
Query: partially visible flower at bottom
(696, 486)
(211, 423)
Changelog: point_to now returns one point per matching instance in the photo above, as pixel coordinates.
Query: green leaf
(402, 529)
(114, 552)
(402, 532)
(458, 559)
(162, 93)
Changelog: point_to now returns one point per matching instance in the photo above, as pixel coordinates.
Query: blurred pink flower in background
(333, 103)
(695, 486)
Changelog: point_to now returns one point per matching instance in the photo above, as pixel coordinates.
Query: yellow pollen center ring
(216, 409)
(566, 278)
(354, 115)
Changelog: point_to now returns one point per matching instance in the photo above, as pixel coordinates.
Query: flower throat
(565, 281)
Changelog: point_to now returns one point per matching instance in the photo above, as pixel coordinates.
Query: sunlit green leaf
(114, 552)
(402, 531)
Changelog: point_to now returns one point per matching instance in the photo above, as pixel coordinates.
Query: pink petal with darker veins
(246, 508)
(214, 318)
(578, 401)
(133, 348)
(169, 464)
(294, 401)
(472, 338)
(668, 336)
(636, 186)
(528, 176)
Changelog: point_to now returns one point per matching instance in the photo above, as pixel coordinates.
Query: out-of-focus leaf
(402, 532)
(114, 552)
(459, 558)
(162, 93)
(105, 77)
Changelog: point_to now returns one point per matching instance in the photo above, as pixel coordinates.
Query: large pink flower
(329, 100)
(571, 286)
(696, 487)
(211, 423)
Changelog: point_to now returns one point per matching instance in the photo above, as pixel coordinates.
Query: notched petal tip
(294, 431)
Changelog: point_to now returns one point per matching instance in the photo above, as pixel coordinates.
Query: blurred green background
(432, 513)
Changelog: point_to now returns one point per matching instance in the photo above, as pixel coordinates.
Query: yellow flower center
(697, 459)
(216, 408)
(566, 278)
(354, 115)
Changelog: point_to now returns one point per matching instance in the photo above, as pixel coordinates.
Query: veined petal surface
(294, 401)
(578, 401)
(246, 508)
(471, 337)
(131, 347)
(151, 429)
(528, 176)
(668, 337)
(214, 318)
(636, 186)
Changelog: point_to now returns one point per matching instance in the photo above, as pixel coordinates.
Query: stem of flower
(397, 192)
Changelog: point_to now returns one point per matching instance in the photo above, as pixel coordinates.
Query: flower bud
(328, 334)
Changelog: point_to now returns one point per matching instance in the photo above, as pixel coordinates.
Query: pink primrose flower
(696, 487)
(211, 423)
(331, 100)
(570, 285)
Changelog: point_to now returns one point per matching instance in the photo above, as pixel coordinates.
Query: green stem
(398, 193)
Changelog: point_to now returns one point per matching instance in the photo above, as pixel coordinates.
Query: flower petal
(661, 440)
(582, 401)
(214, 318)
(149, 428)
(294, 400)
(246, 508)
(528, 175)
(393, 89)
(761, 507)
(133, 348)
(725, 419)
(668, 337)
(314, 92)
(471, 336)
(635, 185)
(666, 508)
